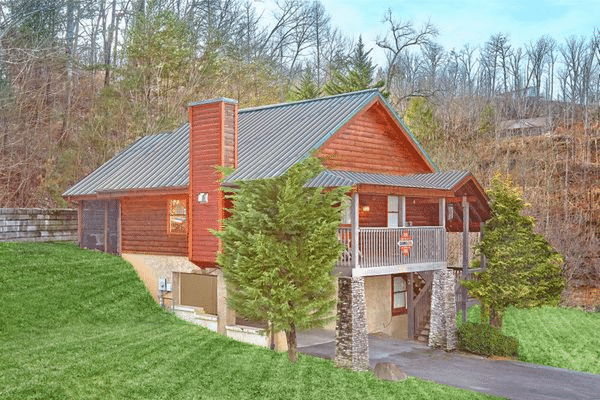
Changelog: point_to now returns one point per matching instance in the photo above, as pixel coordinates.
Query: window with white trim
(393, 214)
(177, 215)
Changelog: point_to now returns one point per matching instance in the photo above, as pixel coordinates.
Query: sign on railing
(381, 247)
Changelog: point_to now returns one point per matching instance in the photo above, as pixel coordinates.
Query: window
(392, 210)
(399, 305)
(177, 216)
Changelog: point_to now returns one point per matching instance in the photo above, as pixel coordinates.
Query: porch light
(450, 211)
(366, 208)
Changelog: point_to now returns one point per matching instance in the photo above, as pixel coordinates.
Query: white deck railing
(386, 247)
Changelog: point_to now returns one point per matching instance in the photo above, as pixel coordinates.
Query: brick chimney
(213, 142)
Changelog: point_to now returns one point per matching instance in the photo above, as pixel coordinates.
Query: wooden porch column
(465, 257)
(403, 211)
(442, 212)
(355, 226)
(442, 220)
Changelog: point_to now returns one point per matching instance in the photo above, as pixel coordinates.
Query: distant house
(155, 202)
(525, 126)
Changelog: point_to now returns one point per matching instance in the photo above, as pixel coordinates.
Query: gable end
(373, 141)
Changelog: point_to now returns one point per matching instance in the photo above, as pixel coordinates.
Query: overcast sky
(468, 21)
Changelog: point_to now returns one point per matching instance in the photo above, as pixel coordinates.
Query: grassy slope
(79, 324)
(559, 337)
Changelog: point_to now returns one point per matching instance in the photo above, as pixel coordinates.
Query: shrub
(486, 340)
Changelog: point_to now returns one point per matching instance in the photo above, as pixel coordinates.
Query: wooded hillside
(82, 79)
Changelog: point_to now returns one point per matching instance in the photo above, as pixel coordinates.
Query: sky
(467, 21)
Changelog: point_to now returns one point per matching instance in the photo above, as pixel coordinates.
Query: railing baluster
(378, 247)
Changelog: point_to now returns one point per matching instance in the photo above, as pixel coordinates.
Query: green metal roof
(270, 140)
(436, 180)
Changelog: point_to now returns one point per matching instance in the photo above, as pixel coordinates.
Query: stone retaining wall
(37, 225)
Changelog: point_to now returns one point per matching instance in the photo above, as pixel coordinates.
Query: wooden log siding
(144, 226)
(419, 212)
(37, 225)
(377, 214)
(371, 142)
(422, 213)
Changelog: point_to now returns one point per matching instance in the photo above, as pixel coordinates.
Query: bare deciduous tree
(400, 37)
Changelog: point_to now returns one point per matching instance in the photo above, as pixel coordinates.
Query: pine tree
(523, 270)
(279, 247)
(307, 89)
(358, 75)
(420, 118)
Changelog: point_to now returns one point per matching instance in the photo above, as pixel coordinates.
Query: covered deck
(398, 224)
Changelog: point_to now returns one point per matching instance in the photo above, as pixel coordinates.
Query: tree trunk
(495, 318)
(290, 336)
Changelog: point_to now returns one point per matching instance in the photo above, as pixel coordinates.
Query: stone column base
(442, 325)
(351, 339)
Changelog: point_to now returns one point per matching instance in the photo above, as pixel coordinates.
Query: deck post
(410, 306)
(403, 211)
(442, 212)
(355, 229)
(442, 219)
(465, 255)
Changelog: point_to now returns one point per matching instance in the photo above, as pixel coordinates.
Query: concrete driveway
(510, 379)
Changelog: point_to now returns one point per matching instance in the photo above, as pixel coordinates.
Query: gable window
(399, 305)
(177, 222)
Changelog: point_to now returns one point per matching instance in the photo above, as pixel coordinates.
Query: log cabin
(155, 202)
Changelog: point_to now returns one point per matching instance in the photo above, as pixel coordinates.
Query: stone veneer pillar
(442, 325)
(351, 339)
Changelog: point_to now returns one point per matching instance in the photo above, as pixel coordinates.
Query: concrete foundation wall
(378, 293)
(151, 268)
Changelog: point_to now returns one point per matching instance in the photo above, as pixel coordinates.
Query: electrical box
(162, 284)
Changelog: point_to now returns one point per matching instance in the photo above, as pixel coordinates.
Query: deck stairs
(423, 331)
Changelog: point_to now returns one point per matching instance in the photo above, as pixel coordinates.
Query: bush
(486, 340)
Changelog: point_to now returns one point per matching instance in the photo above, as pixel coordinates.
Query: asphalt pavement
(504, 378)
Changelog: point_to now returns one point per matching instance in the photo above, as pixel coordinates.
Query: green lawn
(79, 324)
(559, 337)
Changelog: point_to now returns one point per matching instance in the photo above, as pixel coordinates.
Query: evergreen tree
(307, 89)
(358, 75)
(159, 50)
(279, 247)
(420, 118)
(523, 270)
